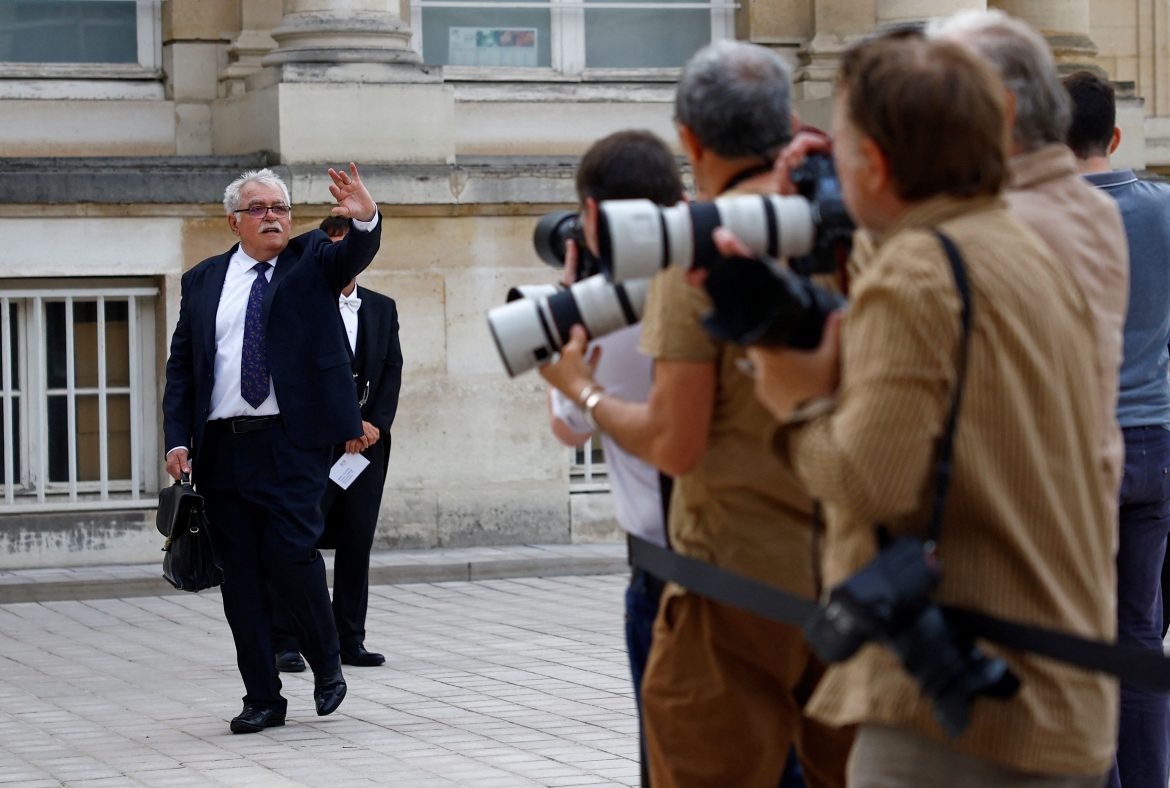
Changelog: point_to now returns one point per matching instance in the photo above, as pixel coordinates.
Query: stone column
(342, 31)
(836, 25)
(892, 13)
(342, 83)
(257, 18)
(1065, 23)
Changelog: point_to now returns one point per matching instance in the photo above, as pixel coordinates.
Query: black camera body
(816, 181)
(888, 601)
(760, 302)
(550, 238)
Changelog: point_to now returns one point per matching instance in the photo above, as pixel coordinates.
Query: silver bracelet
(593, 396)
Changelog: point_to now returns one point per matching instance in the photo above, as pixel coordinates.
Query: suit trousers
(262, 495)
(351, 517)
(723, 700)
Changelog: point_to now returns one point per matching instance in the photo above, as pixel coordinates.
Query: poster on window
(492, 46)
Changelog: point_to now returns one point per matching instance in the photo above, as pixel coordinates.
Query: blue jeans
(642, 597)
(1143, 747)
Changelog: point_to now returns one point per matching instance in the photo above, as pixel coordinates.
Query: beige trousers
(723, 699)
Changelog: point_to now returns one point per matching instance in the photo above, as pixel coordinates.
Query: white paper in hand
(345, 470)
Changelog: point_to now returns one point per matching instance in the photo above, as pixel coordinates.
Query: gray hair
(1025, 63)
(734, 96)
(231, 195)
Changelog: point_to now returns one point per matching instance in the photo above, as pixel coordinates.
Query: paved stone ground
(507, 682)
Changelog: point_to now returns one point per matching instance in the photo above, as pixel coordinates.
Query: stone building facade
(122, 121)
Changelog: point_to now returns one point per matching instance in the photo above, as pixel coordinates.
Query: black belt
(242, 424)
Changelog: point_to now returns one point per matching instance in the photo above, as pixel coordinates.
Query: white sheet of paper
(345, 470)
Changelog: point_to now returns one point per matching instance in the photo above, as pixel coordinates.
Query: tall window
(580, 38)
(48, 38)
(77, 398)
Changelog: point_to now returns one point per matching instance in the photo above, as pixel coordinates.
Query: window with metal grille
(77, 398)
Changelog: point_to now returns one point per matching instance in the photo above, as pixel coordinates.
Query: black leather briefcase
(189, 562)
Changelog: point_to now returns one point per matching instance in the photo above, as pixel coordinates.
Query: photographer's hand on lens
(786, 379)
(569, 272)
(572, 371)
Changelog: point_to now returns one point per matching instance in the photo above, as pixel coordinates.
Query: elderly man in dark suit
(257, 356)
(351, 515)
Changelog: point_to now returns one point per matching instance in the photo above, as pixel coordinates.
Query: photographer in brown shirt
(1027, 531)
(724, 690)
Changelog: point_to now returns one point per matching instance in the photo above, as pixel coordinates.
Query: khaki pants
(722, 700)
(885, 757)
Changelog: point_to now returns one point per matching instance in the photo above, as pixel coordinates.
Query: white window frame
(149, 65)
(567, 38)
(585, 475)
(32, 492)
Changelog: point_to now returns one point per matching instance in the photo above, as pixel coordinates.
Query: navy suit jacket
(380, 355)
(308, 353)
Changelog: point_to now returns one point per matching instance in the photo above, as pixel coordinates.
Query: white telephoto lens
(523, 335)
(602, 305)
(769, 225)
(631, 236)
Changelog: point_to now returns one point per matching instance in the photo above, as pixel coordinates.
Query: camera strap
(1136, 665)
(944, 464)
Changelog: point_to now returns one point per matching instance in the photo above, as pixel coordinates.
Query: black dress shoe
(359, 657)
(289, 662)
(328, 691)
(256, 718)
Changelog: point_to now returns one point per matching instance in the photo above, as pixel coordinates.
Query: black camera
(888, 601)
(760, 302)
(550, 238)
(816, 181)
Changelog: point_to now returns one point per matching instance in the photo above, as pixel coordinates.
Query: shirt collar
(246, 261)
(1109, 180)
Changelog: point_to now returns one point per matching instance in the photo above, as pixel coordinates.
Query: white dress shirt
(349, 305)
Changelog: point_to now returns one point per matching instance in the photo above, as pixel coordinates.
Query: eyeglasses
(280, 210)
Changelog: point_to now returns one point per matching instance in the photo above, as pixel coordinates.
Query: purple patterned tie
(254, 358)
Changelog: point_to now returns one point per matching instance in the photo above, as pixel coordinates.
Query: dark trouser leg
(353, 518)
(1143, 753)
(284, 624)
(284, 484)
(235, 531)
(642, 597)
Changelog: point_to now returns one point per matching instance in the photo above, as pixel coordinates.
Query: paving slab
(502, 682)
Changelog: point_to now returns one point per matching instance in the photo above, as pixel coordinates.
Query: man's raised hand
(353, 200)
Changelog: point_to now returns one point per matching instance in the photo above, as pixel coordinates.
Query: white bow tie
(349, 302)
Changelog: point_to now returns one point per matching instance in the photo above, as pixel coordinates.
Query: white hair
(1024, 62)
(231, 195)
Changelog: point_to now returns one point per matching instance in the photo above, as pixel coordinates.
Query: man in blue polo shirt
(1143, 410)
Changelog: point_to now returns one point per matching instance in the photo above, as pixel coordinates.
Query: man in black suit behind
(351, 515)
(257, 356)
